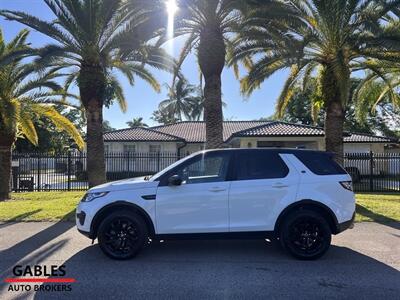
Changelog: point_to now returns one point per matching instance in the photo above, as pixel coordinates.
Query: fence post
(128, 161)
(69, 171)
(371, 171)
(38, 172)
(15, 172)
(158, 162)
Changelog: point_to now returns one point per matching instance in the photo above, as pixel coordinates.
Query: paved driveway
(362, 263)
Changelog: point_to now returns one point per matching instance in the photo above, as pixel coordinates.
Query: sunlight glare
(172, 8)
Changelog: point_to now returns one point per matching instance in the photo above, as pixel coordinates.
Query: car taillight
(348, 185)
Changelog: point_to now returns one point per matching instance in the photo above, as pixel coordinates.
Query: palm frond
(44, 27)
(59, 121)
(27, 128)
(287, 91)
(119, 93)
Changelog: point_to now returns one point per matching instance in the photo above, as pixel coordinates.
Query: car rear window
(320, 163)
(260, 165)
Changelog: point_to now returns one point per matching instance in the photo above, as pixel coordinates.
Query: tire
(122, 235)
(305, 234)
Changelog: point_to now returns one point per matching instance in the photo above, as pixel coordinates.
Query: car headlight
(91, 196)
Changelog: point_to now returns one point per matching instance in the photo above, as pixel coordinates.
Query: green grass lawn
(40, 206)
(381, 208)
(54, 206)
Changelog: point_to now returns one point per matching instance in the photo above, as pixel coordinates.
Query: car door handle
(279, 185)
(217, 189)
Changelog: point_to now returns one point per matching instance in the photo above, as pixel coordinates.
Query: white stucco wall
(142, 147)
(363, 147)
(191, 148)
(291, 142)
(308, 142)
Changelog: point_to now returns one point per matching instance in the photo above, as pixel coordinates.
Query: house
(189, 136)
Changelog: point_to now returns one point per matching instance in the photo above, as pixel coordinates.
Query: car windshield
(157, 175)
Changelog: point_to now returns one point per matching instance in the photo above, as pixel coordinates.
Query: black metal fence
(67, 171)
(374, 172)
(371, 172)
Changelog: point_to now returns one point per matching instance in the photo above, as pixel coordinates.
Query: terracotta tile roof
(138, 134)
(367, 138)
(277, 128)
(195, 131)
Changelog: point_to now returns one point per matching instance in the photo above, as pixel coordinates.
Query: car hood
(126, 184)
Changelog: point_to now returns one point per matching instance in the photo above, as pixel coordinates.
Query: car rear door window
(320, 163)
(260, 165)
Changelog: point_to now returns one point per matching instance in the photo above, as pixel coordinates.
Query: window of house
(154, 149)
(106, 148)
(129, 148)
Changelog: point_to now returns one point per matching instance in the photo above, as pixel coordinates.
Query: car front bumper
(347, 225)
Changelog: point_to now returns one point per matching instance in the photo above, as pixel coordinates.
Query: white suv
(299, 197)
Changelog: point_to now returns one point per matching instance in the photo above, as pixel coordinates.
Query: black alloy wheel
(122, 235)
(306, 235)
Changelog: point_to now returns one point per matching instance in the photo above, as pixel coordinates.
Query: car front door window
(204, 168)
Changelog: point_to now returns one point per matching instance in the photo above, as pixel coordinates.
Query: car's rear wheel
(305, 234)
(122, 235)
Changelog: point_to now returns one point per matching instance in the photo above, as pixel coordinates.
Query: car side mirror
(175, 180)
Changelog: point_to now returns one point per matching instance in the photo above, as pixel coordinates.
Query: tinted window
(320, 163)
(211, 167)
(260, 165)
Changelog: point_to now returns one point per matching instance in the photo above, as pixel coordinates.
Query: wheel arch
(313, 205)
(108, 209)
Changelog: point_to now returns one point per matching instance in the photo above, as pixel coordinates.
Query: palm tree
(163, 117)
(312, 35)
(182, 103)
(382, 81)
(24, 95)
(208, 26)
(94, 37)
(378, 88)
(197, 109)
(107, 126)
(137, 122)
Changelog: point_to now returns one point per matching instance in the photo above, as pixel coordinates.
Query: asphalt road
(362, 263)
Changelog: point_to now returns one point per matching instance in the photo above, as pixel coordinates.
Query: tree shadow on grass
(20, 217)
(11, 256)
(238, 269)
(69, 217)
(378, 218)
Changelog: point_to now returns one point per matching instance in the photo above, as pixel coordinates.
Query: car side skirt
(217, 235)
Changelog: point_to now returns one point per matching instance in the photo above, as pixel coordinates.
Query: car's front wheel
(122, 235)
(305, 234)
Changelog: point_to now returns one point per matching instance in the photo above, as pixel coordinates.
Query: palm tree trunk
(213, 112)
(6, 142)
(92, 84)
(334, 119)
(335, 93)
(211, 56)
(95, 145)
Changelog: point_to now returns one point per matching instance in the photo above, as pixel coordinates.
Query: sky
(142, 99)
